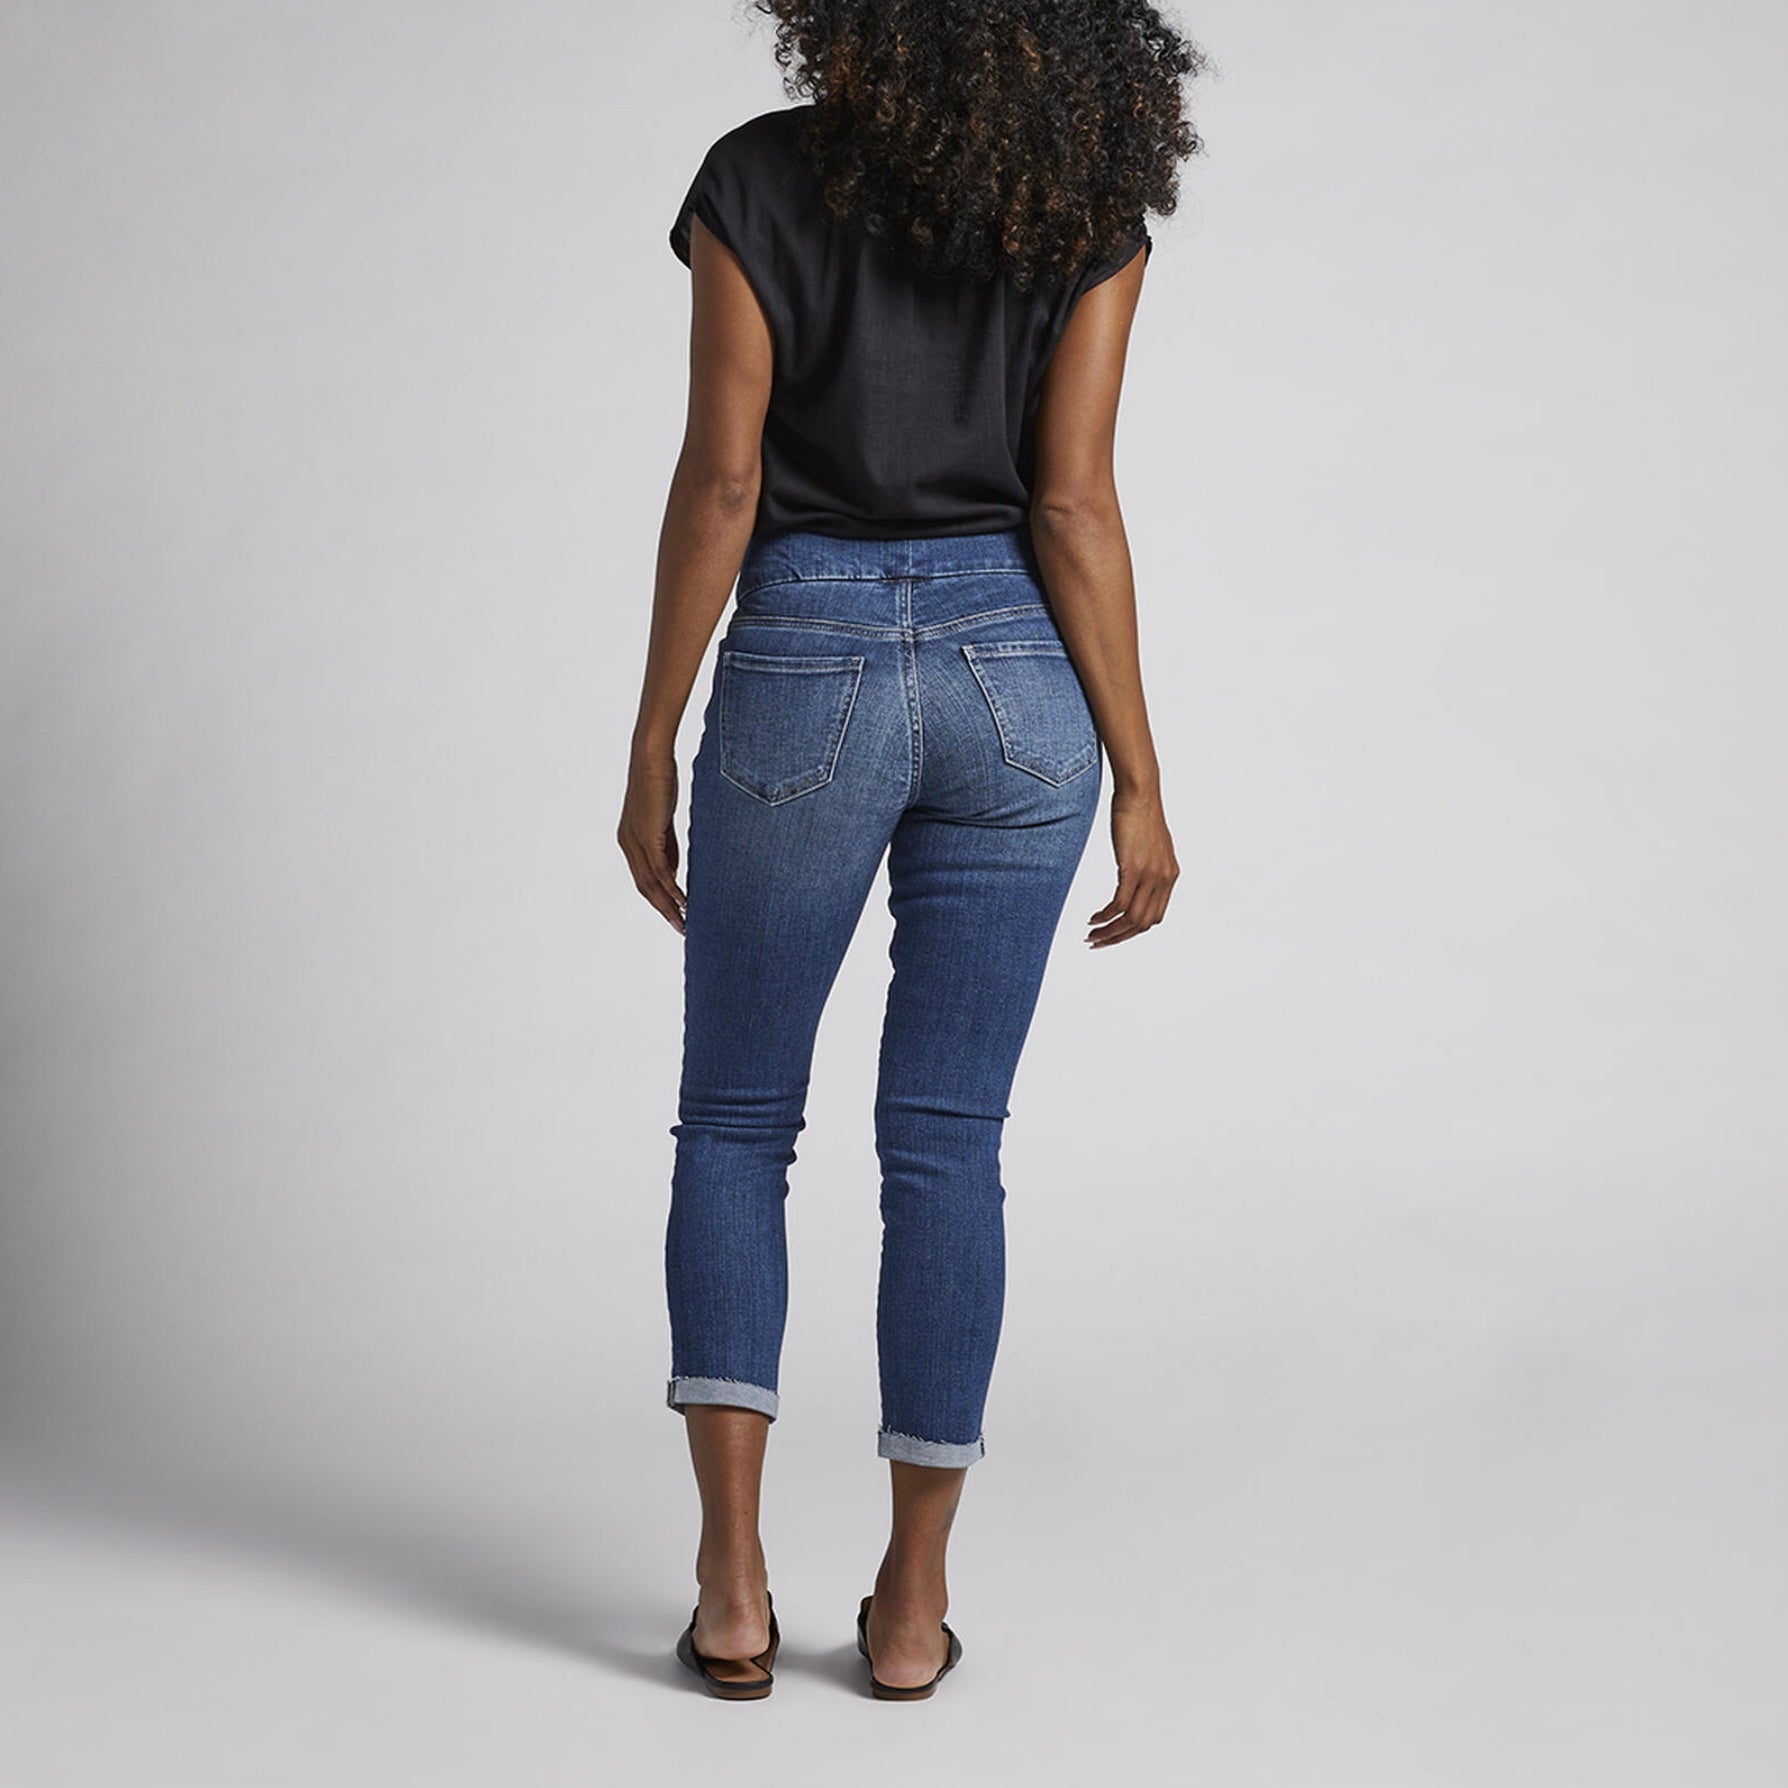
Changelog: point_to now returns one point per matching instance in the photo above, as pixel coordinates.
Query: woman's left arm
(708, 521)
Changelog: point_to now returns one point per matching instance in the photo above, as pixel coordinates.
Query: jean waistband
(799, 555)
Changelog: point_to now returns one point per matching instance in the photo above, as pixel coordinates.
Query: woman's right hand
(1147, 870)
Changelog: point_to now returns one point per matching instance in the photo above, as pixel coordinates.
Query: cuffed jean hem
(909, 1448)
(733, 1391)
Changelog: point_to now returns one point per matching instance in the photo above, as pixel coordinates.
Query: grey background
(1394, 1372)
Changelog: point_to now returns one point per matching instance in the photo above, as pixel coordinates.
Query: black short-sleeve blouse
(902, 403)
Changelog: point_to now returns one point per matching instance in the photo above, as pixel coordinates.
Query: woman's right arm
(1078, 529)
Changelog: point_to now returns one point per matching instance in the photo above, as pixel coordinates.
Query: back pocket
(782, 720)
(1039, 706)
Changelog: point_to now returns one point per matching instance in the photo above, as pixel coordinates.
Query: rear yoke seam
(886, 577)
(869, 630)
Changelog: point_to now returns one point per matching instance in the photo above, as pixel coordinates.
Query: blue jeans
(911, 697)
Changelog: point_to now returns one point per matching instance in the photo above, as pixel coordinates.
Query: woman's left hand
(648, 836)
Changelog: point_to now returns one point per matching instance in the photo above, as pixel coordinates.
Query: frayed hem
(910, 1449)
(735, 1393)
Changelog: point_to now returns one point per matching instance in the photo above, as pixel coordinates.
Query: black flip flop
(887, 1691)
(732, 1688)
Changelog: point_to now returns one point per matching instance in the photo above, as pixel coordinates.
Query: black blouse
(902, 403)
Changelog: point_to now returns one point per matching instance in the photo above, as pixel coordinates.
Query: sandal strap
(761, 1662)
(952, 1648)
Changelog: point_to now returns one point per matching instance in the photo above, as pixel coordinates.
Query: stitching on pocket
(1010, 725)
(818, 764)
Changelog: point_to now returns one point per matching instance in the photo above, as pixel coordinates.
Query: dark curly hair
(1030, 135)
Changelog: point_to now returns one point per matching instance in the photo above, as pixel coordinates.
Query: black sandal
(732, 1688)
(887, 1691)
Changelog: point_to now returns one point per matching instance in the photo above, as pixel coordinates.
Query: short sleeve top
(902, 403)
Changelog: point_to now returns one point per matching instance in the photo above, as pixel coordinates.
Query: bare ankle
(908, 1601)
(732, 1572)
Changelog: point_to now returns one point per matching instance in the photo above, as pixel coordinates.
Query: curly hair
(1029, 135)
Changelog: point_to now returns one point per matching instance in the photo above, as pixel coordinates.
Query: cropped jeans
(911, 698)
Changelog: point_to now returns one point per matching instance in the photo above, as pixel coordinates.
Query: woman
(912, 299)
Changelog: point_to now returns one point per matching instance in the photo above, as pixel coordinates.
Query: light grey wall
(1397, 1233)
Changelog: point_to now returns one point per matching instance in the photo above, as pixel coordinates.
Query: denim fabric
(914, 698)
